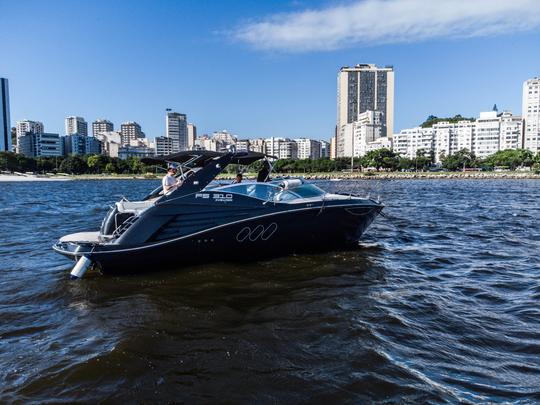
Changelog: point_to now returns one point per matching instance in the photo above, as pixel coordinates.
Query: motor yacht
(205, 220)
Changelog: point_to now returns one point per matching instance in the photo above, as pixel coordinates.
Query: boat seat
(133, 206)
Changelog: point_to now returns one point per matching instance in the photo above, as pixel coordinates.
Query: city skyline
(221, 79)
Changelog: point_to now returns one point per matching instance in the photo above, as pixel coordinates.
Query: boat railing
(124, 226)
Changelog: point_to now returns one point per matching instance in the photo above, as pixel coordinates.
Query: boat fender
(80, 268)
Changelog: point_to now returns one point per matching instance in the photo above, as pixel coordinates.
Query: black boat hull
(312, 229)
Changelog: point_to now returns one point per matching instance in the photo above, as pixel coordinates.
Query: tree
(460, 160)
(511, 158)
(73, 165)
(381, 158)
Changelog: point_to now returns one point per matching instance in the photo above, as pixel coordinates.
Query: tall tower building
(531, 115)
(5, 128)
(76, 125)
(176, 126)
(192, 135)
(100, 126)
(130, 131)
(364, 87)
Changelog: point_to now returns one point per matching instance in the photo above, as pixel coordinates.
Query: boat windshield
(277, 191)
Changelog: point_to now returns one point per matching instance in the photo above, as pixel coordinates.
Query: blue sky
(258, 68)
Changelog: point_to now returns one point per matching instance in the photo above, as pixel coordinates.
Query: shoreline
(333, 176)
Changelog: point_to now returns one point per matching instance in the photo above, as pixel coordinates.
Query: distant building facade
(308, 148)
(25, 130)
(364, 87)
(5, 126)
(531, 114)
(76, 125)
(101, 125)
(130, 130)
(356, 135)
(164, 146)
(192, 135)
(177, 129)
(77, 144)
(325, 149)
(111, 142)
(488, 134)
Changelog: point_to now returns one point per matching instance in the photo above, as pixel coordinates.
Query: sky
(260, 68)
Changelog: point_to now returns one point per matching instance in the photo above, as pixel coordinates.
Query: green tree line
(87, 164)
(380, 159)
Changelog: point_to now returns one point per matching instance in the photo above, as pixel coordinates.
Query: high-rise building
(25, 130)
(25, 126)
(192, 135)
(224, 138)
(511, 132)
(5, 128)
(177, 130)
(130, 131)
(486, 139)
(531, 114)
(76, 125)
(364, 87)
(99, 126)
(308, 148)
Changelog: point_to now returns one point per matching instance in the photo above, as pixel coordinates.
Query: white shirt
(168, 180)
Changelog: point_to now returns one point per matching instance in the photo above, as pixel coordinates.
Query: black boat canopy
(201, 157)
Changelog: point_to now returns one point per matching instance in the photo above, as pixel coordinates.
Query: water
(440, 304)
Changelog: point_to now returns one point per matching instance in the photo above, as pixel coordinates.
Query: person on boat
(238, 179)
(170, 182)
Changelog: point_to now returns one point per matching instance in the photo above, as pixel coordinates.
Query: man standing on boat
(170, 182)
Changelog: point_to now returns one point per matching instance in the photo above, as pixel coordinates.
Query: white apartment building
(356, 135)
(487, 134)
(27, 126)
(192, 135)
(76, 125)
(110, 142)
(164, 145)
(409, 141)
(224, 137)
(511, 131)
(364, 87)
(465, 132)
(257, 145)
(23, 128)
(102, 125)
(243, 145)
(130, 130)
(308, 148)
(379, 143)
(531, 114)
(282, 148)
(208, 143)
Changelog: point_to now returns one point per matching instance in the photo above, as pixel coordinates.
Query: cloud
(372, 22)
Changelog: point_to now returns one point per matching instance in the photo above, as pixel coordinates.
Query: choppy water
(440, 304)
